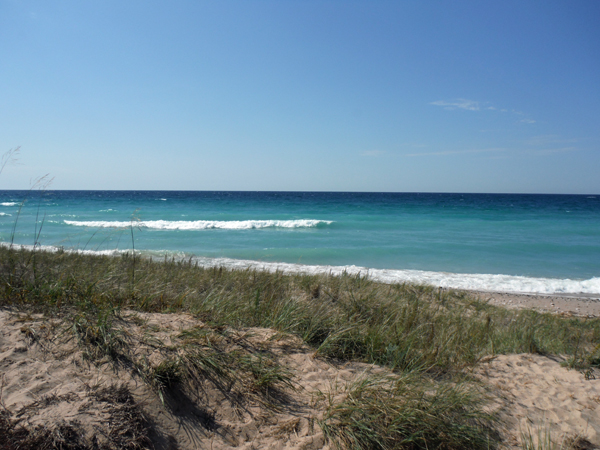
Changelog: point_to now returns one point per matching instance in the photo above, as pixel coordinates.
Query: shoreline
(582, 304)
(479, 283)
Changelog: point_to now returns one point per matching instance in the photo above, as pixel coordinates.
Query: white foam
(479, 282)
(202, 224)
(5, 214)
(8, 203)
(54, 249)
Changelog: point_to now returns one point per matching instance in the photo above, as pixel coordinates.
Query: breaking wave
(478, 282)
(469, 281)
(203, 224)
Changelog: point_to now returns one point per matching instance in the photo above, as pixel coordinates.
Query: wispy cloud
(458, 152)
(459, 103)
(475, 105)
(373, 153)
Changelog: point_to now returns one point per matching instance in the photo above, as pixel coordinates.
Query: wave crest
(203, 224)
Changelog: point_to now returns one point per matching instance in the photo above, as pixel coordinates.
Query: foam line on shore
(473, 282)
(481, 282)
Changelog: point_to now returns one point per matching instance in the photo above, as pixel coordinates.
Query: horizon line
(294, 191)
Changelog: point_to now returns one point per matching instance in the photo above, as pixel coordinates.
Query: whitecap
(202, 224)
(8, 203)
(54, 249)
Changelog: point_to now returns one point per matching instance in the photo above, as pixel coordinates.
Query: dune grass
(407, 412)
(226, 360)
(402, 326)
(428, 337)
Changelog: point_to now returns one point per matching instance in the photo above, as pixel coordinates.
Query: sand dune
(47, 383)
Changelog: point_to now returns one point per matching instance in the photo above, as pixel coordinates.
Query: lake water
(516, 243)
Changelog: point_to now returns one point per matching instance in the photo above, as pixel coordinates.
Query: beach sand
(45, 380)
(581, 305)
(536, 394)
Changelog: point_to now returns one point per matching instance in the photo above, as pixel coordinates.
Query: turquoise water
(522, 243)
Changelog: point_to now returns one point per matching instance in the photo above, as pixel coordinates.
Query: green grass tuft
(407, 412)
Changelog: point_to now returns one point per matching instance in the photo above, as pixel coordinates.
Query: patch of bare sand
(47, 383)
(537, 393)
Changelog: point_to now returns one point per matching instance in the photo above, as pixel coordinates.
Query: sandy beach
(580, 305)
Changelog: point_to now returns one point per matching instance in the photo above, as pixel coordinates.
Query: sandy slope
(46, 382)
(534, 392)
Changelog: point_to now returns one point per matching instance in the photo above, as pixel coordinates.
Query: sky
(302, 95)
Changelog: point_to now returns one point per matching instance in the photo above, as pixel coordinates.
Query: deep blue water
(421, 237)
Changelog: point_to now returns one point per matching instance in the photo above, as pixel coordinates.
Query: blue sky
(405, 96)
